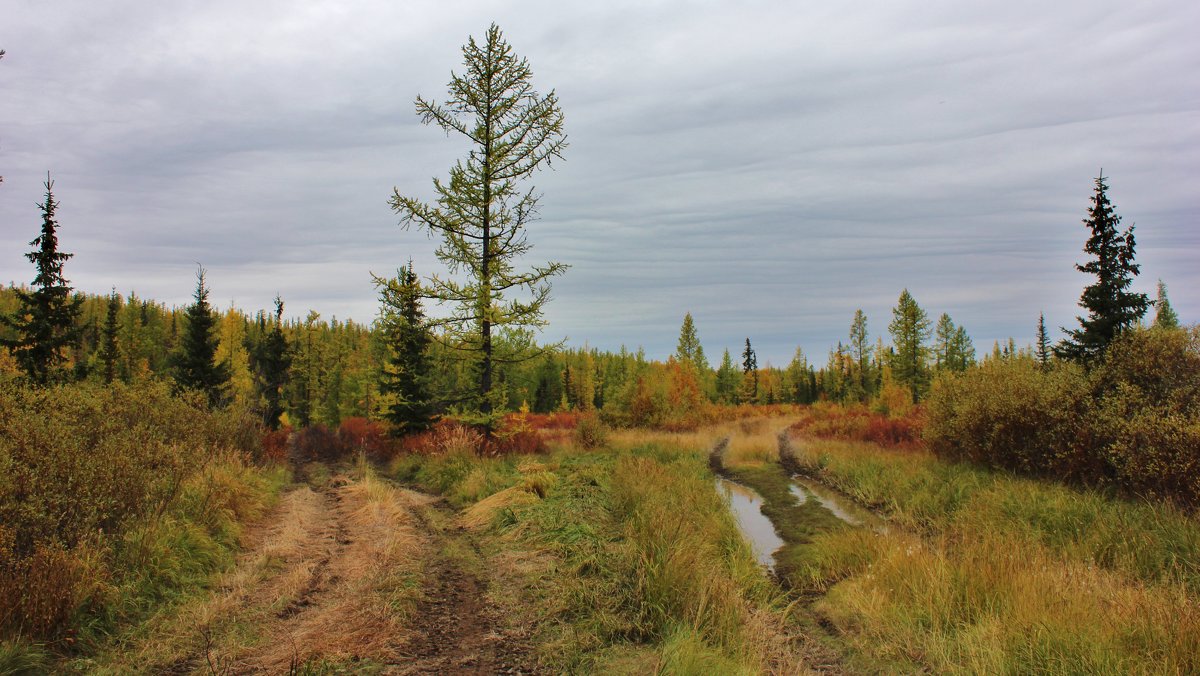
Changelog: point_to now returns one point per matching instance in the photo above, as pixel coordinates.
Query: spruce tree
(481, 212)
(1042, 349)
(749, 391)
(1111, 307)
(1164, 314)
(910, 331)
(108, 340)
(194, 363)
(406, 375)
(270, 359)
(46, 318)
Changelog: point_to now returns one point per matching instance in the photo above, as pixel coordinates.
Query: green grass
(633, 562)
(1149, 541)
(992, 573)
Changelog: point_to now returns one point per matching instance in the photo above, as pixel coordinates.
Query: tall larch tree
(270, 363)
(952, 348)
(689, 350)
(910, 331)
(405, 378)
(194, 363)
(46, 322)
(727, 380)
(1164, 314)
(799, 377)
(860, 347)
(481, 213)
(1111, 307)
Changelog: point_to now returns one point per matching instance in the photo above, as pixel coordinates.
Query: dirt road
(345, 575)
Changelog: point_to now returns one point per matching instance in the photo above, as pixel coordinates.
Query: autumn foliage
(666, 396)
(857, 423)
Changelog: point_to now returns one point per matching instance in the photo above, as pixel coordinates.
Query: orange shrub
(515, 442)
(559, 420)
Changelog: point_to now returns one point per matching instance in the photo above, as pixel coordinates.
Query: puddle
(756, 528)
(842, 507)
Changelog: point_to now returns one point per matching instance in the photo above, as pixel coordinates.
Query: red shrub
(519, 442)
(316, 442)
(446, 436)
(275, 445)
(560, 420)
(831, 421)
(368, 436)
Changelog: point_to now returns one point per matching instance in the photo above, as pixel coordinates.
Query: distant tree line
(409, 369)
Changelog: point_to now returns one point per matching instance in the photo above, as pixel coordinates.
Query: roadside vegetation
(114, 501)
(990, 572)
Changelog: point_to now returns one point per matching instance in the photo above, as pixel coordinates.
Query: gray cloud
(769, 167)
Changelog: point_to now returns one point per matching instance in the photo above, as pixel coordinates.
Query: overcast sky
(768, 166)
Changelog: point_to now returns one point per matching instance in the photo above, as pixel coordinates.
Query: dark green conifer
(749, 391)
(46, 318)
(108, 339)
(270, 359)
(1110, 306)
(405, 374)
(194, 362)
(1043, 343)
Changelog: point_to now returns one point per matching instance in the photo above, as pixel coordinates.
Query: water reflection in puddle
(756, 528)
(841, 506)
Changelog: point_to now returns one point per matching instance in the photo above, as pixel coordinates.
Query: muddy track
(456, 629)
(346, 575)
(332, 542)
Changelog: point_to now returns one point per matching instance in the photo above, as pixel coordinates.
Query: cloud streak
(769, 167)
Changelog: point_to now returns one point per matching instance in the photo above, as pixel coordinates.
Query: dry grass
(1012, 576)
(481, 514)
(360, 599)
(752, 441)
(327, 578)
(992, 604)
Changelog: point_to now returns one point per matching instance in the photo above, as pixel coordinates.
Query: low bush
(591, 432)
(1011, 414)
(275, 445)
(91, 478)
(1133, 422)
(445, 437)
